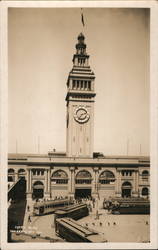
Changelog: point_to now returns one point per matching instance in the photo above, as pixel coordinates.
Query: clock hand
(83, 114)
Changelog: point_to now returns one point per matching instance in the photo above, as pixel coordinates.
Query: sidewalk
(26, 223)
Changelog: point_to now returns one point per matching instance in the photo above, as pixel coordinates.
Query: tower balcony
(83, 95)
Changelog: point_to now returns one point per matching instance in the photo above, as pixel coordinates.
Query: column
(119, 190)
(30, 180)
(27, 180)
(47, 184)
(118, 183)
(72, 182)
(47, 181)
(95, 182)
(16, 176)
(29, 184)
(135, 183)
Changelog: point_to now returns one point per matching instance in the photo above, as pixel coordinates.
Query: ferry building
(79, 172)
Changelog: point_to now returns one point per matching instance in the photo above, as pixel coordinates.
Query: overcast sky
(41, 46)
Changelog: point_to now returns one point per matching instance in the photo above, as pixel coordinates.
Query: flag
(83, 20)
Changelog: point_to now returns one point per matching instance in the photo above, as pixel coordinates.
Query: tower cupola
(80, 58)
(81, 46)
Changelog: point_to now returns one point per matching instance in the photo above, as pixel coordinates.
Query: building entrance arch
(38, 190)
(83, 181)
(126, 189)
(82, 193)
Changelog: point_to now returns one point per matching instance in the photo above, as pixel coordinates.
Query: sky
(41, 44)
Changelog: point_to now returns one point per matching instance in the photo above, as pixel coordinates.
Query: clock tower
(80, 104)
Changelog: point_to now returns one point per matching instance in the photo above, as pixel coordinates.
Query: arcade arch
(83, 177)
(83, 181)
(106, 177)
(38, 190)
(59, 177)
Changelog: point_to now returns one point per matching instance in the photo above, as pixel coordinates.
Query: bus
(47, 207)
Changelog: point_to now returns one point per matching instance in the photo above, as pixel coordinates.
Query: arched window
(83, 177)
(21, 172)
(107, 177)
(145, 175)
(145, 191)
(60, 177)
(38, 184)
(126, 184)
(11, 171)
(11, 175)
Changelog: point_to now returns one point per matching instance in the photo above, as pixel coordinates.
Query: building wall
(80, 135)
(44, 175)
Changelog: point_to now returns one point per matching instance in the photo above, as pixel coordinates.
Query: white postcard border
(153, 5)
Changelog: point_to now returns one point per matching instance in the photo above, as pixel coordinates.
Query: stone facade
(103, 177)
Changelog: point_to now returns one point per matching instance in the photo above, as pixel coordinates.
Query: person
(93, 202)
(97, 215)
(29, 218)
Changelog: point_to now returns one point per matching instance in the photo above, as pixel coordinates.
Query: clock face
(81, 115)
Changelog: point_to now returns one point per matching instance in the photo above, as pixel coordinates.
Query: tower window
(89, 85)
(81, 84)
(85, 84)
(73, 84)
(78, 84)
